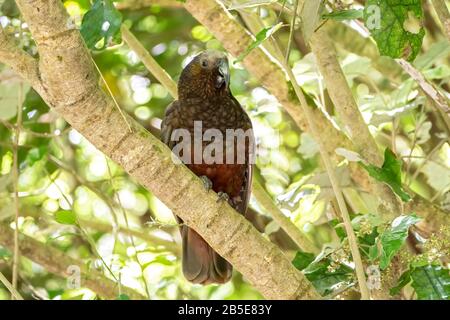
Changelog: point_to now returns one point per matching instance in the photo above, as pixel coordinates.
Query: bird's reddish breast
(228, 178)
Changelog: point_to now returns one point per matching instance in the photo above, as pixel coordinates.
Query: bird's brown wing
(247, 186)
(169, 123)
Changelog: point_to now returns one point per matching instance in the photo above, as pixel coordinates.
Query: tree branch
(348, 111)
(150, 63)
(19, 61)
(443, 14)
(73, 91)
(55, 261)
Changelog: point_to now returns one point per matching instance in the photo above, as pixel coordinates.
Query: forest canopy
(349, 102)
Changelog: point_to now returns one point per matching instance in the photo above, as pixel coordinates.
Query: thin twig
(291, 33)
(112, 96)
(16, 189)
(10, 287)
(124, 214)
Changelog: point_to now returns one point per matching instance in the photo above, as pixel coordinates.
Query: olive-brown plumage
(204, 95)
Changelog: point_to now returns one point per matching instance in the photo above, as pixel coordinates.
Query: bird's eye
(204, 63)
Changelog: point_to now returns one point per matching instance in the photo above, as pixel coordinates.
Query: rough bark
(55, 261)
(71, 88)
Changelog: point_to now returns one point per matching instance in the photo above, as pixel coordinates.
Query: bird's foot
(206, 183)
(223, 196)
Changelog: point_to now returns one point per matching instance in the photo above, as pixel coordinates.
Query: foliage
(399, 32)
(101, 22)
(320, 272)
(392, 239)
(431, 282)
(260, 37)
(390, 173)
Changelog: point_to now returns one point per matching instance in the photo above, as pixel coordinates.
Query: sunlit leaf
(260, 38)
(396, 26)
(66, 217)
(393, 238)
(102, 21)
(389, 173)
(36, 154)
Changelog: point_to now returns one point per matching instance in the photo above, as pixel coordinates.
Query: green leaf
(344, 15)
(316, 270)
(431, 282)
(161, 260)
(392, 239)
(66, 217)
(389, 173)
(404, 279)
(4, 253)
(324, 281)
(260, 38)
(396, 26)
(36, 154)
(302, 260)
(123, 296)
(102, 21)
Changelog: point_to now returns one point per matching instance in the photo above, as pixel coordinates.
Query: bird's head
(206, 76)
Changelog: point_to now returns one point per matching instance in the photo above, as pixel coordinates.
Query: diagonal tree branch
(73, 91)
(19, 61)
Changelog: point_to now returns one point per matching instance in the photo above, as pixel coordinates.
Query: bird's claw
(223, 196)
(206, 182)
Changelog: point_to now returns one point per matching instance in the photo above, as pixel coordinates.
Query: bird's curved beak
(224, 73)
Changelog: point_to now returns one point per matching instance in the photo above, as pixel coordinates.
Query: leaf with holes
(102, 21)
(396, 26)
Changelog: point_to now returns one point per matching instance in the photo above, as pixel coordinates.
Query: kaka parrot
(204, 95)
